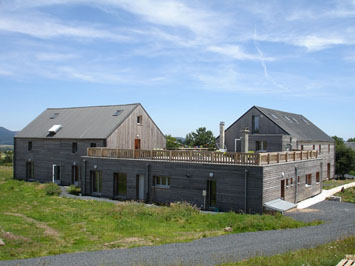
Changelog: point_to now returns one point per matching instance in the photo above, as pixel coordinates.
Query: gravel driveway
(339, 220)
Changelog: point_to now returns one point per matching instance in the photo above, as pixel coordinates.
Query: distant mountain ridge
(6, 136)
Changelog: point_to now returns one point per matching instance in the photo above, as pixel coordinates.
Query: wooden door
(137, 144)
(328, 171)
(282, 189)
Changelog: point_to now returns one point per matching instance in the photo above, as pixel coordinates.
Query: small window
(298, 180)
(291, 182)
(74, 147)
(328, 148)
(93, 145)
(75, 175)
(314, 147)
(320, 148)
(301, 147)
(287, 118)
(117, 113)
(161, 181)
(53, 115)
(287, 183)
(29, 171)
(255, 124)
(139, 120)
(295, 120)
(317, 177)
(29, 147)
(308, 180)
(274, 116)
(304, 120)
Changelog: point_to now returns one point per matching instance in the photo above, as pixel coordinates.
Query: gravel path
(339, 220)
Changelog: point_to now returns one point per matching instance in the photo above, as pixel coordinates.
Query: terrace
(215, 157)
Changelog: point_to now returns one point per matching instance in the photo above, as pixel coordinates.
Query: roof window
(289, 119)
(294, 119)
(304, 120)
(54, 129)
(53, 115)
(117, 113)
(274, 116)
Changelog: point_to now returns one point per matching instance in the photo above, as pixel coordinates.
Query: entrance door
(328, 171)
(56, 174)
(75, 175)
(211, 193)
(140, 187)
(137, 144)
(282, 189)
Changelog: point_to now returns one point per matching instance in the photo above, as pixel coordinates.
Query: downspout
(296, 184)
(245, 189)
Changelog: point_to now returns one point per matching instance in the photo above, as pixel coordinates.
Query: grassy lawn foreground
(325, 255)
(34, 224)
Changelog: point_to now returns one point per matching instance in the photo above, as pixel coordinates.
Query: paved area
(339, 220)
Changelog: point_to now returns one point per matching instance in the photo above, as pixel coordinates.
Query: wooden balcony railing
(204, 156)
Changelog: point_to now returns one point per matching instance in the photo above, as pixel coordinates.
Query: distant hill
(6, 136)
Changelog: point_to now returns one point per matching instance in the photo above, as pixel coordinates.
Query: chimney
(245, 140)
(221, 136)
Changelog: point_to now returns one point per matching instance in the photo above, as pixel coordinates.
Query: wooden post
(286, 156)
(258, 159)
(268, 158)
(190, 155)
(301, 155)
(170, 153)
(278, 157)
(294, 156)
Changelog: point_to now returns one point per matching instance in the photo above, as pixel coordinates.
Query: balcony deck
(234, 158)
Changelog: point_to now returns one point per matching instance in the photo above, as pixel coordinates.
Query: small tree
(202, 137)
(171, 143)
(344, 157)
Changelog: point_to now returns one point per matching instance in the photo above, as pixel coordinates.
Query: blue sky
(190, 63)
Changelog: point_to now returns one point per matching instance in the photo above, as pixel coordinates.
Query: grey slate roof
(350, 145)
(296, 125)
(94, 122)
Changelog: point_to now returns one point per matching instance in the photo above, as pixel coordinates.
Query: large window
(255, 124)
(260, 145)
(120, 184)
(161, 181)
(96, 177)
(29, 171)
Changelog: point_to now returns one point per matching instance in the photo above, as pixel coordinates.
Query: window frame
(96, 175)
(93, 145)
(158, 181)
(255, 121)
(29, 146)
(308, 180)
(317, 177)
(139, 120)
(119, 184)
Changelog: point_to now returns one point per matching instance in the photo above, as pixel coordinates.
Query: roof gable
(94, 122)
(295, 125)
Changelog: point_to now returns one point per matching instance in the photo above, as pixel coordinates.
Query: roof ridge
(277, 110)
(93, 106)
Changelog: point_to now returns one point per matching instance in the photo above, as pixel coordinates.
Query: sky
(190, 63)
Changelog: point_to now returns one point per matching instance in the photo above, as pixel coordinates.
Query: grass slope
(325, 255)
(34, 224)
(329, 184)
(348, 195)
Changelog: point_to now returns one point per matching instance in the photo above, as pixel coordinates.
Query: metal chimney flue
(221, 136)
(245, 140)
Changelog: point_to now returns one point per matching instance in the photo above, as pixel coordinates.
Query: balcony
(234, 158)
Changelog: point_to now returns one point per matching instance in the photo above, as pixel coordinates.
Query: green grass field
(325, 255)
(329, 184)
(34, 224)
(348, 195)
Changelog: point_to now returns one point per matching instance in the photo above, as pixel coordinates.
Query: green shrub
(52, 189)
(74, 190)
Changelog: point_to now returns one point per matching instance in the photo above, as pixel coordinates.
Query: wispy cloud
(235, 52)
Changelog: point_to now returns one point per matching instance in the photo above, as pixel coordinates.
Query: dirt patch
(129, 241)
(11, 236)
(49, 231)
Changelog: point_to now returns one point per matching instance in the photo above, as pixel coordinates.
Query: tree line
(344, 157)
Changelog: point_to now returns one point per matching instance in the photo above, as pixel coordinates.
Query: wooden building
(275, 131)
(50, 147)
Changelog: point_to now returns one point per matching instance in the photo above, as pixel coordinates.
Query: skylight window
(294, 119)
(54, 129)
(117, 113)
(289, 119)
(304, 120)
(53, 115)
(274, 116)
